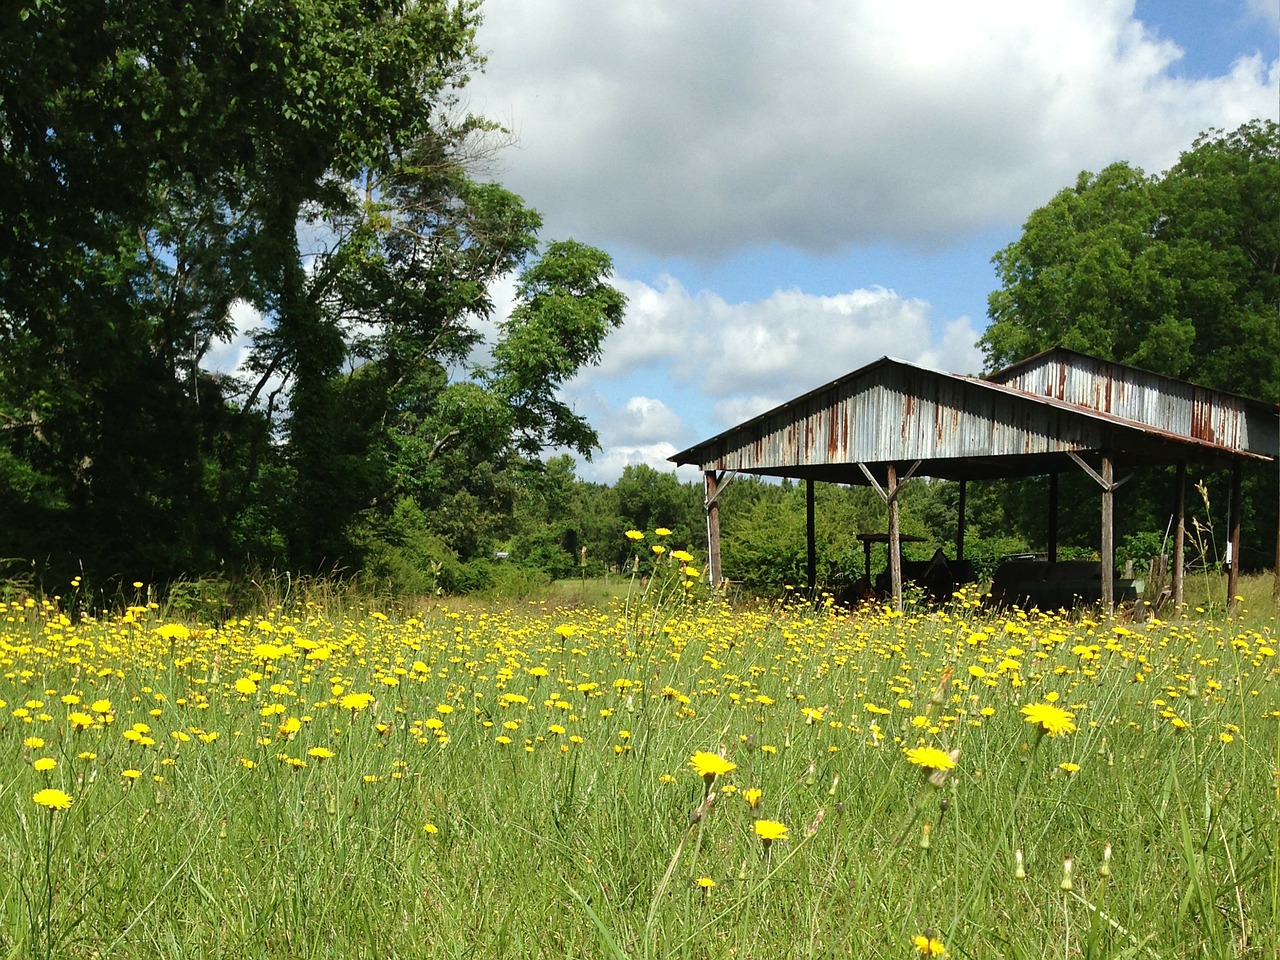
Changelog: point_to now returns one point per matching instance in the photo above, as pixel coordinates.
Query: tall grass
(519, 784)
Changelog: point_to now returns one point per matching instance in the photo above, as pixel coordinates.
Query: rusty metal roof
(1015, 423)
(1168, 405)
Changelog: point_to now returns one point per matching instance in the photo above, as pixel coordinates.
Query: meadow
(666, 775)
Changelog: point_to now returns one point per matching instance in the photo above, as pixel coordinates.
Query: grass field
(658, 776)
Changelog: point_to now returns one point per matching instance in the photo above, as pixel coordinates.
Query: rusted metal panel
(1170, 406)
(1060, 402)
(893, 418)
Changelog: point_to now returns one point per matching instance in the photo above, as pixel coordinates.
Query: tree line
(163, 168)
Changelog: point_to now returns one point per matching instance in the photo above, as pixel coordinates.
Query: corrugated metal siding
(900, 413)
(890, 410)
(1170, 406)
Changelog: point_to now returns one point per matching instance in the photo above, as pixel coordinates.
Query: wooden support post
(895, 542)
(1233, 573)
(1106, 480)
(960, 518)
(1179, 534)
(811, 567)
(1053, 517)
(1108, 536)
(713, 530)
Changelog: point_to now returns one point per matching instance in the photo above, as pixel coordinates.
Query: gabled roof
(966, 427)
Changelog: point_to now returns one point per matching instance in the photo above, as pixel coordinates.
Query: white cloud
(231, 356)
(738, 360)
(607, 465)
(698, 129)
(738, 409)
(773, 348)
(659, 321)
(644, 420)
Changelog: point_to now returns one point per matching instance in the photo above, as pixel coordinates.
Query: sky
(792, 190)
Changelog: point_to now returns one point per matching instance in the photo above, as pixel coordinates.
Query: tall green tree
(413, 278)
(160, 164)
(1177, 273)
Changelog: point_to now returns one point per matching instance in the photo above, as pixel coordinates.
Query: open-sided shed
(1059, 410)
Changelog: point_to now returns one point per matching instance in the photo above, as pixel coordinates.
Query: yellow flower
(711, 765)
(634, 535)
(684, 556)
(706, 883)
(80, 721)
(320, 753)
(33, 743)
(770, 830)
(931, 758)
(45, 764)
(355, 701)
(430, 828)
(52, 799)
(1050, 719)
(246, 686)
(662, 532)
(752, 796)
(267, 651)
(929, 946)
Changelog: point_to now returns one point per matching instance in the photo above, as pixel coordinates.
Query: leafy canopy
(1175, 273)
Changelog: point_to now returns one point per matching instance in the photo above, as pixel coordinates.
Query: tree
(1178, 274)
(648, 499)
(417, 284)
(158, 165)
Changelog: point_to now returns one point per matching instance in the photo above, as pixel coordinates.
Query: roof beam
(889, 496)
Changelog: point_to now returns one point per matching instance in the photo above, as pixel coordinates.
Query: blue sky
(791, 190)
